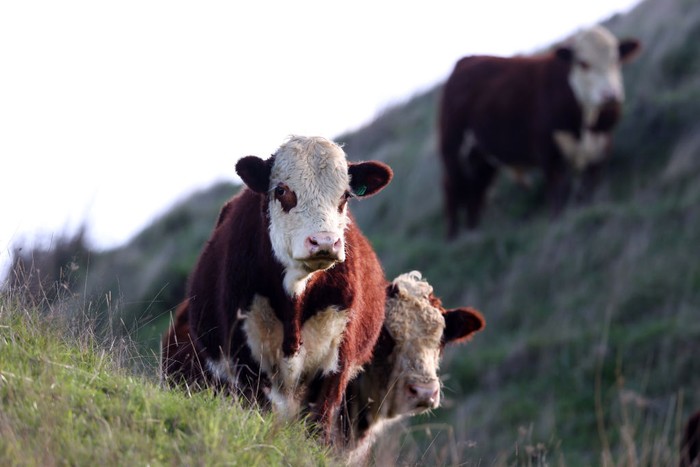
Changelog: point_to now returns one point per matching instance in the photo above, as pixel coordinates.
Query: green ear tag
(361, 190)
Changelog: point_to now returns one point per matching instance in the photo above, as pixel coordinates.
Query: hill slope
(68, 399)
(590, 351)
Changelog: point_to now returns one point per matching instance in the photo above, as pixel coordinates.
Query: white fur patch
(322, 335)
(601, 78)
(417, 328)
(410, 317)
(316, 170)
(591, 148)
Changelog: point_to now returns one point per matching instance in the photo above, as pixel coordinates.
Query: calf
(553, 111)
(402, 377)
(287, 289)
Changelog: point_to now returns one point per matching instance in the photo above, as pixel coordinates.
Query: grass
(68, 399)
(590, 352)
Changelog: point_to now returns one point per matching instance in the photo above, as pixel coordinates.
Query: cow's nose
(610, 98)
(323, 243)
(425, 395)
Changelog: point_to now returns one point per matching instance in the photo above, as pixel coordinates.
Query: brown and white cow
(553, 111)
(287, 289)
(402, 378)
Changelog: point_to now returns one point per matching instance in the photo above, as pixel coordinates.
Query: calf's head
(307, 184)
(595, 57)
(419, 328)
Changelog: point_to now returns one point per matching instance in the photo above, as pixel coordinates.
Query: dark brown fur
(511, 106)
(690, 445)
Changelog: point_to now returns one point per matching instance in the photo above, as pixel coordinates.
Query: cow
(554, 111)
(690, 444)
(287, 290)
(402, 378)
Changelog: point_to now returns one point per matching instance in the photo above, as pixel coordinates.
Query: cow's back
(508, 105)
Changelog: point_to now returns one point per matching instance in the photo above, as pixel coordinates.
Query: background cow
(287, 289)
(552, 111)
(402, 377)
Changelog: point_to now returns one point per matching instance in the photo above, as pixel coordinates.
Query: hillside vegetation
(68, 397)
(590, 354)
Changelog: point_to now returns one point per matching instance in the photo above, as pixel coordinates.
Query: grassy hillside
(590, 352)
(592, 336)
(67, 398)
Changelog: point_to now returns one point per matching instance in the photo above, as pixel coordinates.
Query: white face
(595, 75)
(417, 329)
(309, 188)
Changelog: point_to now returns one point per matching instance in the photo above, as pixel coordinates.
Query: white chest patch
(322, 335)
(580, 153)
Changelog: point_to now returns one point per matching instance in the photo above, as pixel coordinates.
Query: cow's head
(420, 328)
(307, 184)
(595, 56)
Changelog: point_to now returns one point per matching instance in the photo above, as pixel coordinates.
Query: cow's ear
(629, 48)
(368, 178)
(564, 53)
(461, 323)
(255, 173)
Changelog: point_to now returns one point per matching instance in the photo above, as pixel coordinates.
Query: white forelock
(410, 317)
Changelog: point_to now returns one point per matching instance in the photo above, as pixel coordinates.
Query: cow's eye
(286, 197)
(584, 65)
(344, 200)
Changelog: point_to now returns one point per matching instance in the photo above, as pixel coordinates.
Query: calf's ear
(461, 323)
(628, 49)
(368, 178)
(255, 173)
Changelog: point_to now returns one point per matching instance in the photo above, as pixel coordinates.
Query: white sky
(112, 111)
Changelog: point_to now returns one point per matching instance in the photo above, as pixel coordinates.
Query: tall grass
(68, 397)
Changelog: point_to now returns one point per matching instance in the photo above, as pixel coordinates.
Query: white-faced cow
(553, 111)
(402, 378)
(287, 289)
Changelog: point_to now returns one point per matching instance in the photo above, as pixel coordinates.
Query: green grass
(67, 399)
(590, 352)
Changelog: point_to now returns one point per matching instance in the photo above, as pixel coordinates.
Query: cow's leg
(557, 182)
(590, 179)
(450, 145)
(452, 203)
(326, 402)
(480, 175)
